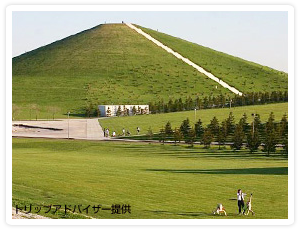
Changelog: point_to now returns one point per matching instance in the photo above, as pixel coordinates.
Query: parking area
(64, 128)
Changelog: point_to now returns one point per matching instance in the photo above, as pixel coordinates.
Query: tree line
(219, 101)
(91, 108)
(239, 134)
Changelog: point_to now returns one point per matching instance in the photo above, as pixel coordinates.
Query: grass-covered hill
(111, 63)
(244, 75)
(107, 64)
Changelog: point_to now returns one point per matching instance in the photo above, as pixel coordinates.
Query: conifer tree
(185, 127)
(238, 137)
(89, 109)
(191, 137)
(98, 112)
(270, 135)
(170, 106)
(176, 105)
(207, 138)
(198, 102)
(285, 144)
(205, 102)
(108, 112)
(133, 110)
(199, 129)
(243, 122)
(124, 112)
(257, 123)
(253, 140)
(119, 111)
(189, 103)
(283, 127)
(221, 137)
(214, 126)
(180, 105)
(224, 129)
(168, 129)
(230, 123)
(177, 135)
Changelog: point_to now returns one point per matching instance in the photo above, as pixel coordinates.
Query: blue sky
(260, 36)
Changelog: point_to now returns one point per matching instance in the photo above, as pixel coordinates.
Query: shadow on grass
(190, 214)
(76, 115)
(159, 212)
(249, 171)
(234, 155)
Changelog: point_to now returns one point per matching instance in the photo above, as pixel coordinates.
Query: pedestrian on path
(138, 130)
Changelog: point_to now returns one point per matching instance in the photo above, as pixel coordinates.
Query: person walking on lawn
(240, 198)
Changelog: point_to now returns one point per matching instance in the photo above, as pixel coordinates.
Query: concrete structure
(186, 60)
(127, 110)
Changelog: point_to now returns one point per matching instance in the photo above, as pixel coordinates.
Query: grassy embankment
(157, 121)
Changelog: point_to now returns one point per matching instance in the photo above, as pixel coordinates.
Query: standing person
(128, 133)
(107, 132)
(138, 130)
(114, 134)
(240, 198)
(104, 132)
(123, 132)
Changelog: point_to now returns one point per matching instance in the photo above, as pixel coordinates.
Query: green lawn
(157, 121)
(158, 181)
(244, 75)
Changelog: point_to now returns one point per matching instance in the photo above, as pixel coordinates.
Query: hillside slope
(244, 75)
(106, 64)
(112, 64)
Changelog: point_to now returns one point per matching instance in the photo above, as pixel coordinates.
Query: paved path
(85, 129)
(94, 130)
(73, 128)
(186, 60)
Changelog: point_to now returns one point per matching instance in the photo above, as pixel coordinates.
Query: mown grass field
(108, 64)
(246, 76)
(158, 181)
(157, 121)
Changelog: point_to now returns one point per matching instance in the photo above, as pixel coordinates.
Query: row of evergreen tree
(252, 135)
(220, 101)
